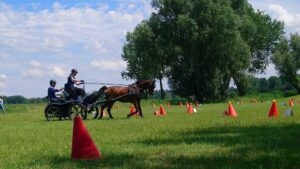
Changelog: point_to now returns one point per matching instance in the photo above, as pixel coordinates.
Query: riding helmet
(52, 82)
(74, 71)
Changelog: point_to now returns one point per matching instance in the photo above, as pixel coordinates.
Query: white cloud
(52, 41)
(3, 77)
(35, 63)
(2, 85)
(57, 71)
(109, 65)
(58, 29)
(282, 14)
(33, 72)
(292, 21)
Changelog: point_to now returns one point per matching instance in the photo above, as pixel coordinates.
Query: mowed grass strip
(206, 139)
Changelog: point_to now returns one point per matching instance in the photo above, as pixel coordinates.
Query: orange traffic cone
(162, 111)
(190, 109)
(132, 111)
(83, 147)
(273, 112)
(196, 104)
(187, 104)
(180, 104)
(169, 105)
(231, 111)
(104, 114)
(291, 102)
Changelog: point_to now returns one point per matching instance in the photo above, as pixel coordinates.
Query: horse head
(148, 85)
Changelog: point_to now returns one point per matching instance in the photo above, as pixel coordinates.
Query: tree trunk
(295, 84)
(162, 92)
(224, 86)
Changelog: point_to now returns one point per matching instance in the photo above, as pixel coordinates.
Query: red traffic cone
(83, 147)
(162, 111)
(180, 104)
(273, 112)
(291, 102)
(190, 109)
(231, 111)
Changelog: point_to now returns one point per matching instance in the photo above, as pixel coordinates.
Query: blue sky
(43, 40)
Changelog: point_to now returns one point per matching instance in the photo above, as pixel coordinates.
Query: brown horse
(131, 93)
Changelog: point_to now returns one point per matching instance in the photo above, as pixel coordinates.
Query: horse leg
(102, 109)
(109, 108)
(140, 108)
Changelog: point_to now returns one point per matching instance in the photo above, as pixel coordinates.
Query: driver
(52, 90)
(75, 92)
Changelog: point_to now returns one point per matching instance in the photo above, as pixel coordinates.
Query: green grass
(206, 139)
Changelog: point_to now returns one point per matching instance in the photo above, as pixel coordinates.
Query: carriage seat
(53, 100)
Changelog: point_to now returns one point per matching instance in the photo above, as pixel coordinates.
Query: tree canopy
(287, 60)
(199, 46)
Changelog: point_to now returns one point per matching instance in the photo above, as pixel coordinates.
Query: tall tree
(287, 60)
(145, 54)
(201, 45)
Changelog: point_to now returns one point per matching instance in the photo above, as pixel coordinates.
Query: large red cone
(162, 111)
(83, 147)
(231, 111)
(291, 102)
(180, 104)
(190, 109)
(273, 110)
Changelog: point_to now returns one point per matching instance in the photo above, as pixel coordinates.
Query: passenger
(51, 92)
(2, 104)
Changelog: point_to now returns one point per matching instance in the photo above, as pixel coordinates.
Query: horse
(131, 93)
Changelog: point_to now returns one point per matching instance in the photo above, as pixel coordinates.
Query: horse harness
(133, 89)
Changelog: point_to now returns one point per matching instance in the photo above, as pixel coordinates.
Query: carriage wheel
(52, 112)
(92, 113)
(77, 109)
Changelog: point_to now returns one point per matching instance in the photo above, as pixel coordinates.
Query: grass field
(206, 139)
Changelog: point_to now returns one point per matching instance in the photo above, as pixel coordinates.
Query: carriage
(88, 107)
(64, 109)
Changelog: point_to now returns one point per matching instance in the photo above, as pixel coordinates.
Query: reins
(108, 84)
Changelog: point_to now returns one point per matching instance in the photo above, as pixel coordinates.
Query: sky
(42, 40)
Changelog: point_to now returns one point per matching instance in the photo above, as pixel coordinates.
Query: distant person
(2, 104)
(74, 92)
(52, 92)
